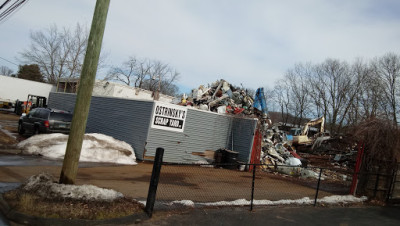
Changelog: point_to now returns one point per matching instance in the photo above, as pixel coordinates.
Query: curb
(14, 216)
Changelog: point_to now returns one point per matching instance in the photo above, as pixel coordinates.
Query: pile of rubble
(221, 97)
(279, 155)
(277, 150)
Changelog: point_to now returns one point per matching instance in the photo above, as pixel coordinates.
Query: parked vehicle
(45, 120)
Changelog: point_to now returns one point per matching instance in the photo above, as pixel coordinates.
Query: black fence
(248, 185)
(208, 185)
(252, 185)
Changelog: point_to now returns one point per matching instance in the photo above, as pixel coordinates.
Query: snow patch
(335, 199)
(342, 199)
(182, 202)
(8, 133)
(44, 185)
(95, 148)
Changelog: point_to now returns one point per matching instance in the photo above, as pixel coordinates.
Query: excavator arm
(303, 138)
(320, 120)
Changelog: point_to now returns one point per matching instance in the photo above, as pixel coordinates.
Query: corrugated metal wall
(129, 120)
(123, 119)
(203, 131)
(242, 137)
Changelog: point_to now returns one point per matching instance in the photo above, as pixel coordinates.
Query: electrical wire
(7, 12)
(4, 4)
(9, 61)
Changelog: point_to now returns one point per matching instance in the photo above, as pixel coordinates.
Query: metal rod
(389, 194)
(377, 182)
(319, 181)
(252, 188)
(155, 177)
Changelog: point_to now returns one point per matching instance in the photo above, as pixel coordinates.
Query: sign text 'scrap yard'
(169, 117)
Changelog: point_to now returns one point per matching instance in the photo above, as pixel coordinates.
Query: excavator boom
(303, 138)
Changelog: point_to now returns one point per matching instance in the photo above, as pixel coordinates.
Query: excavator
(305, 138)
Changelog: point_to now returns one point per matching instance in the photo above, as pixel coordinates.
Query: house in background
(111, 89)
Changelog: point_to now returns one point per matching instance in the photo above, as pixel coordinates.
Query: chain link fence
(196, 185)
(175, 185)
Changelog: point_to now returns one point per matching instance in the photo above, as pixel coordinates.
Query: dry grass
(34, 205)
(381, 139)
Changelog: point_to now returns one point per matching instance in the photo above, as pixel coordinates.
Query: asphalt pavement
(343, 216)
(302, 215)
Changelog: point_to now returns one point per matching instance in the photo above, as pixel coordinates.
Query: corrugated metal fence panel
(62, 101)
(203, 131)
(242, 134)
(123, 119)
(129, 120)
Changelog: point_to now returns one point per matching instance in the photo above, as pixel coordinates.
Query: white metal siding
(16, 88)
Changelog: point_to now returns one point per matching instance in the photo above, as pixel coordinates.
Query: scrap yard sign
(169, 117)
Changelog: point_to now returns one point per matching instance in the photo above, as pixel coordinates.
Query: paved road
(342, 216)
(220, 216)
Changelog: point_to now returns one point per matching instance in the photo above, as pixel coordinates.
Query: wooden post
(81, 111)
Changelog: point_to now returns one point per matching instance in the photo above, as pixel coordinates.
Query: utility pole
(81, 111)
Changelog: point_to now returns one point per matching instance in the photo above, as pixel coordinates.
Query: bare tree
(335, 84)
(387, 69)
(269, 96)
(345, 94)
(5, 71)
(283, 99)
(366, 93)
(59, 53)
(300, 91)
(146, 74)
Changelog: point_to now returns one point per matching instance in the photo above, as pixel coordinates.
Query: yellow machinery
(32, 102)
(303, 138)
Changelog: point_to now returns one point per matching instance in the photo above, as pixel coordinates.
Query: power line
(4, 4)
(10, 9)
(9, 61)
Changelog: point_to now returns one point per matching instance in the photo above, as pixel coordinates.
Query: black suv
(45, 120)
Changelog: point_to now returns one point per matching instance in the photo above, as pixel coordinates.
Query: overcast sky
(250, 42)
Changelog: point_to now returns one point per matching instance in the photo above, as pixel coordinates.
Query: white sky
(250, 42)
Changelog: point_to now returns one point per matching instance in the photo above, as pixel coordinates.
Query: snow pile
(182, 202)
(341, 199)
(95, 148)
(244, 202)
(44, 186)
(334, 199)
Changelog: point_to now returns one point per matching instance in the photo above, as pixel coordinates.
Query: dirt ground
(9, 123)
(176, 183)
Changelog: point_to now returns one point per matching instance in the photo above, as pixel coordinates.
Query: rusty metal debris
(220, 97)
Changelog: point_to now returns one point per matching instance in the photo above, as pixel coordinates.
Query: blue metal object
(259, 101)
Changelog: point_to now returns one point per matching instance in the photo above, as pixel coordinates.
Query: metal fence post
(155, 176)
(376, 183)
(319, 180)
(252, 187)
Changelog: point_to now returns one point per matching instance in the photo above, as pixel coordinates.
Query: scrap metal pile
(279, 155)
(277, 150)
(221, 97)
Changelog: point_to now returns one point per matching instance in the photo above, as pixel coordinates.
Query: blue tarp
(259, 101)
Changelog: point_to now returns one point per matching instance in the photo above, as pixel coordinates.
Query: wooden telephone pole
(81, 111)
